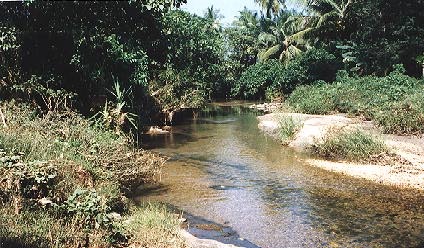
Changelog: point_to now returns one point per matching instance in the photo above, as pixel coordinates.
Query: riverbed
(223, 170)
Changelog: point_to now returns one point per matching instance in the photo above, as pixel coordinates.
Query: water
(223, 170)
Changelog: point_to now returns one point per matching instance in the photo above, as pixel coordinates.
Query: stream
(236, 185)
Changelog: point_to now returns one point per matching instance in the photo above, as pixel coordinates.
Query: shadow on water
(17, 243)
(203, 228)
(173, 139)
(151, 190)
(206, 229)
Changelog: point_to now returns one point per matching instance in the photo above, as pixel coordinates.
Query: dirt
(403, 168)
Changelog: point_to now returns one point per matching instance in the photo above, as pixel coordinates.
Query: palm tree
(272, 7)
(214, 16)
(285, 41)
(327, 17)
(295, 33)
(212, 13)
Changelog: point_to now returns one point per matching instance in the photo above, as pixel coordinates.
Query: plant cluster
(274, 77)
(352, 145)
(288, 128)
(395, 101)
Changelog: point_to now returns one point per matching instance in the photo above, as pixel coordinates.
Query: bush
(353, 145)
(405, 116)
(288, 128)
(273, 76)
(317, 99)
(394, 102)
(154, 225)
(254, 82)
(313, 65)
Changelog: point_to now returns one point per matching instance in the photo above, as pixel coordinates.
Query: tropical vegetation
(80, 80)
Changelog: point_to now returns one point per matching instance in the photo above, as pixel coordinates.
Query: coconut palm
(327, 18)
(272, 7)
(285, 41)
(295, 33)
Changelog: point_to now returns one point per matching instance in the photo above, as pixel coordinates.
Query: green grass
(352, 145)
(288, 128)
(395, 102)
(86, 173)
(154, 225)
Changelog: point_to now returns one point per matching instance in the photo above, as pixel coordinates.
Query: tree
(193, 69)
(272, 7)
(388, 32)
(84, 48)
(282, 43)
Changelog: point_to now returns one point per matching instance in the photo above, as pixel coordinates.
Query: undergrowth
(64, 182)
(395, 102)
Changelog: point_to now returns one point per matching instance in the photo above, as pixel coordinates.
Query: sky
(228, 8)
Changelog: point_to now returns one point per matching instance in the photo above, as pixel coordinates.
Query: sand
(409, 174)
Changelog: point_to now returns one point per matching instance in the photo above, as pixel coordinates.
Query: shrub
(257, 79)
(354, 145)
(288, 128)
(153, 225)
(313, 65)
(394, 102)
(405, 116)
(273, 76)
(317, 99)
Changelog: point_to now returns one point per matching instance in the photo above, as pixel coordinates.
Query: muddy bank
(409, 148)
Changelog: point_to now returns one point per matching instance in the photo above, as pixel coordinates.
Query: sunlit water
(223, 169)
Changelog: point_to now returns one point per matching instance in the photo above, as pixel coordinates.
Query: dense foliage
(63, 181)
(388, 32)
(193, 70)
(84, 51)
(272, 78)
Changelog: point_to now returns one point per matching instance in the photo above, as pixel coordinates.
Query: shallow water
(222, 169)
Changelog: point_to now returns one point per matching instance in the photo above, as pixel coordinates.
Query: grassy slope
(63, 184)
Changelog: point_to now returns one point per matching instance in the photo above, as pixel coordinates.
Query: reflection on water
(223, 169)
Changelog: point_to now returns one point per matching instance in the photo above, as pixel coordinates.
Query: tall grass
(288, 128)
(154, 225)
(352, 145)
(395, 102)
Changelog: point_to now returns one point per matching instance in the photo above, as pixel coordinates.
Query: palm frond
(270, 53)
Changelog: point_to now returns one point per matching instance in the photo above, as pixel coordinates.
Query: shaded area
(16, 242)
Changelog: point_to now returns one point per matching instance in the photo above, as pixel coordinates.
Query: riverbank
(408, 173)
(66, 182)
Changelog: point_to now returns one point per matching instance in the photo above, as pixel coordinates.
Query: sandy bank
(195, 242)
(409, 148)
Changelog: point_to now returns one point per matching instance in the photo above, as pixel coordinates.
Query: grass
(288, 128)
(62, 180)
(155, 226)
(395, 102)
(352, 145)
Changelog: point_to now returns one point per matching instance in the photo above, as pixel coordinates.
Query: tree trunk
(423, 70)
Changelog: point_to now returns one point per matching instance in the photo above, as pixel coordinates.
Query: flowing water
(223, 170)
